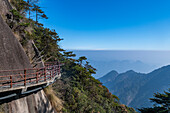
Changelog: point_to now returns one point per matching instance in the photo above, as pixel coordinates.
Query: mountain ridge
(134, 88)
(113, 74)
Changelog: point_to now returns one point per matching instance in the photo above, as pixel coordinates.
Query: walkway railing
(28, 77)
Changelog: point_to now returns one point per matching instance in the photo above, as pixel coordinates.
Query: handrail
(30, 76)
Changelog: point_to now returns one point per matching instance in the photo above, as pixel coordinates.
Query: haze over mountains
(123, 60)
(134, 89)
(129, 74)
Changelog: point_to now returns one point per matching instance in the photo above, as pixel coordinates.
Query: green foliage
(84, 93)
(47, 41)
(14, 18)
(24, 24)
(16, 15)
(69, 54)
(162, 103)
(21, 6)
(39, 13)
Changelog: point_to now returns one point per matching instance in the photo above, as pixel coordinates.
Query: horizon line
(113, 50)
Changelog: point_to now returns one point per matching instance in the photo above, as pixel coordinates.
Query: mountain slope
(158, 81)
(135, 89)
(109, 77)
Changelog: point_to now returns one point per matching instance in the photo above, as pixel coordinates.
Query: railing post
(25, 76)
(11, 81)
(51, 72)
(58, 68)
(54, 71)
(37, 76)
(45, 74)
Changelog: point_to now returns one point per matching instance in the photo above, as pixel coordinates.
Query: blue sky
(110, 24)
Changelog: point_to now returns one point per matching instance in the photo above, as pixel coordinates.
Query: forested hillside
(83, 93)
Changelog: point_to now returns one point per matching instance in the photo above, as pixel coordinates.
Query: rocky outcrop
(5, 7)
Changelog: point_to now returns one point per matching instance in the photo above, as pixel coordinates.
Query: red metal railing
(26, 77)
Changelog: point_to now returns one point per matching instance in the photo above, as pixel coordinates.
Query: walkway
(12, 80)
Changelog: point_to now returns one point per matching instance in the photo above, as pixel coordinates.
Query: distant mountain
(143, 61)
(134, 89)
(109, 77)
(120, 65)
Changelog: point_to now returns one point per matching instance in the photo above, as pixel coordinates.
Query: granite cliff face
(35, 103)
(5, 7)
(13, 56)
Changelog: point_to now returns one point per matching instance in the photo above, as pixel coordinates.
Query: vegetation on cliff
(45, 39)
(83, 93)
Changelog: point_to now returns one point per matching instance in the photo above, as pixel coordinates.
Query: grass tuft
(54, 100)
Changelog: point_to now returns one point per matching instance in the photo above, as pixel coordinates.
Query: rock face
(5, 7)
(35, 103)
(12, 55)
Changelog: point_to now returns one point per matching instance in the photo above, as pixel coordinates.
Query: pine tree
(39, 13)
(162, 103)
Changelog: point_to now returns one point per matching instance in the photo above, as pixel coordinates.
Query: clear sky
(110, 24)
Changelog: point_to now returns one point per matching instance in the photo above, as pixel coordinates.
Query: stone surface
(34, 103)
(12, 55)
(5, 7)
